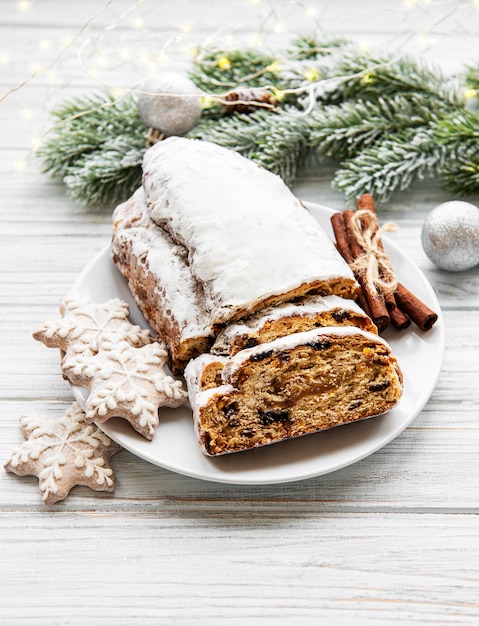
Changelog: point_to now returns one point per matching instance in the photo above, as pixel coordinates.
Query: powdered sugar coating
(182, 296)
(247, 236)
(308, 306)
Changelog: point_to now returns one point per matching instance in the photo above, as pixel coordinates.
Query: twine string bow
(374, 263)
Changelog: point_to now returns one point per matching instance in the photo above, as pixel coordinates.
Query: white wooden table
(393, 538)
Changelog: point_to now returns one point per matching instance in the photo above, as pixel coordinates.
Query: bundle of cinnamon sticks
(382, 296)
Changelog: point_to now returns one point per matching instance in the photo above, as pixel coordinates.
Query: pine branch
(391, 165)
(297, 68)
(390, 120)
(471, 76)
(461, 176)
(96, 148)
(458, 128)
(341, 131)
(459, 134)
(108, 175)
(83, 125)
(217, 71)
(277, 141)
(315, 46)
(373, 77)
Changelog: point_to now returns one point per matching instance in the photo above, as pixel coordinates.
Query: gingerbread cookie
(84, 325)
(63, 453)
(126, 382)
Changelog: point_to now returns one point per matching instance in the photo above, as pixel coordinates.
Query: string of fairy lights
(110, 48)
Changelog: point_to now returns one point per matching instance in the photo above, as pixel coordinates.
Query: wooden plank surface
(392, 539)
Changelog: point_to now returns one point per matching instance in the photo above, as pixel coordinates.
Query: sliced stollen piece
(306, 314)
(156, 268)
(250, 241)
(293, 386)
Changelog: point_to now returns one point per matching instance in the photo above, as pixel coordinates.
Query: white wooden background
(393, 539)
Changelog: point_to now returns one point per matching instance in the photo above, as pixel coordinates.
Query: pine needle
(375, 76)
(391, 165)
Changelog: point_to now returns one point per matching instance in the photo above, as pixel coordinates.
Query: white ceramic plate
(175, 447)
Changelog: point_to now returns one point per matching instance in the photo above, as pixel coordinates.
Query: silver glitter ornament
(169, 103)
(450, 236)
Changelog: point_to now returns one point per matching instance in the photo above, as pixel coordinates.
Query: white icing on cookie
(84, 325)
(126, 382)
(64, 452)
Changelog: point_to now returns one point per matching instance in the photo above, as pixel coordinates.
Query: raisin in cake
(250, 241)
(292, 386)
(159, 278)
(292, 317)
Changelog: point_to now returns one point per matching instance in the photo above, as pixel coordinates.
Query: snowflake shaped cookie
(126, 382)
(85, 325)
(63, 453)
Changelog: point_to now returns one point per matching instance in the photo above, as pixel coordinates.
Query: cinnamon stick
(356, 249)
(413, 307)
(409, 304)
(377, 308)
(399, 319)
(390, 302)
(344, 249)
(365, 202)
(342, 242)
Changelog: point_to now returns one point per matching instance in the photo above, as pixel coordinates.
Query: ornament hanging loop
(153, 136)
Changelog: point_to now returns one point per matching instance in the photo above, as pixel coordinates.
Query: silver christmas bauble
(170, 103)
(450, 236)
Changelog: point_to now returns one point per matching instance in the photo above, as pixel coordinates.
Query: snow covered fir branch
(387, 120)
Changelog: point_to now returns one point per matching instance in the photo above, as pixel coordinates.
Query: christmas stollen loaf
(250, 241)
(252, 299)
(211, 237)
(295, 385)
